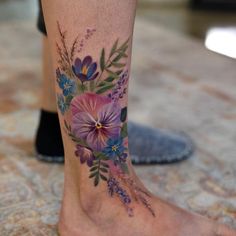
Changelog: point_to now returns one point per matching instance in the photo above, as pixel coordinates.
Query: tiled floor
(185, 88)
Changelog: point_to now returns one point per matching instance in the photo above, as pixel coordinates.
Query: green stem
(106, 66)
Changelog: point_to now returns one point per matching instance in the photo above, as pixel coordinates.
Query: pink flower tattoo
(95, 119)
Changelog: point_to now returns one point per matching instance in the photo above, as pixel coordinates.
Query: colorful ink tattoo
(91, 101)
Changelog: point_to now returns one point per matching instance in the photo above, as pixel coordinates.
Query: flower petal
(87, 61)
(88, 102)
(74, 70)
(90, 161)
(77, 62)
(82, 77)
(94, 76)
(97, 139)
(92, 68)
(62, 80)
(109, 117)
(77, 66)
(66, 92)
(82, 124)
(82, 159)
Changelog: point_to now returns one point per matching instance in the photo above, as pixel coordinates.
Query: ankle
(119, 195)
(80, 189)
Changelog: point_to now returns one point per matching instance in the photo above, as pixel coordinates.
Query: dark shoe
(48, 142)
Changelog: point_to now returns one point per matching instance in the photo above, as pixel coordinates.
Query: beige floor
(176, 84)
(177, 16)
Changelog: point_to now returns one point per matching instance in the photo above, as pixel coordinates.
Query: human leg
(102, 195)
(48, 140)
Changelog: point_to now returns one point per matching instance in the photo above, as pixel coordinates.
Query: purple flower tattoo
(85, 70)
(85, 154)
(95, 119)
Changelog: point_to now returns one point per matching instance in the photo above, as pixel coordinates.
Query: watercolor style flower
(68, 86)
(85, 155)
(85, 70)
(95, 119)
(114, 188)
(114, 148)
(120, 88)
(61, 103)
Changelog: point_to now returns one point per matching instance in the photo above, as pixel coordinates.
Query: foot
(147, 145)
(89, 211)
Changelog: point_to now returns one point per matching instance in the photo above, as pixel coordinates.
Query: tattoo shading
(90, 102)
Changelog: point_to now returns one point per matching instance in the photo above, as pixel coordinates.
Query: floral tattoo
(90, 102)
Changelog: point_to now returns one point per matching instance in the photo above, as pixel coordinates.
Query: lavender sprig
(115, 188)
(120, 89)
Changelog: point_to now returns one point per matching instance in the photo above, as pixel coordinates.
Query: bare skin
(88, 210)
(48, 100)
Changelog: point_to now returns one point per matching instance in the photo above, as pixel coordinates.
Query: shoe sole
(176, 158)
(49, 159)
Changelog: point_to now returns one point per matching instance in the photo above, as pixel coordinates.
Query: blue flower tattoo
(61, 103)
(68, 86)
(114, 148)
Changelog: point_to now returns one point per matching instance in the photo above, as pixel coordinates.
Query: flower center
(98, 125)
(114, 148)
(84, 70)
(67, 86)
